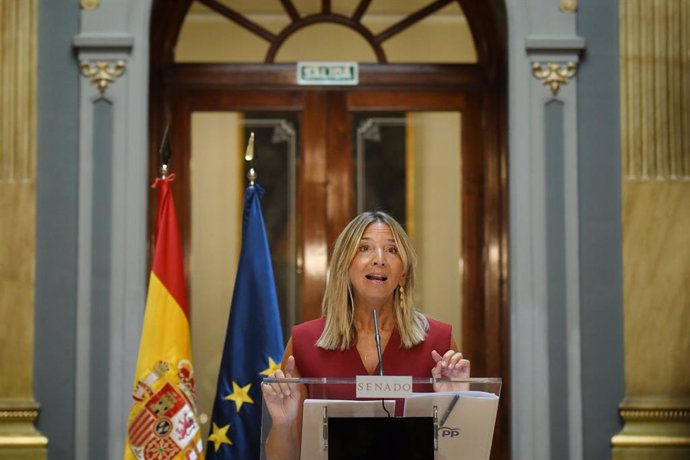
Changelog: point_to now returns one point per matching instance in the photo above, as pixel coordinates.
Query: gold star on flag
(240, 395)
(272, 367)
(219, 437)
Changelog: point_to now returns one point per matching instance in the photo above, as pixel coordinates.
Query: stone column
(655, 134)
(112, 50)
(545, 305)
(18, 73)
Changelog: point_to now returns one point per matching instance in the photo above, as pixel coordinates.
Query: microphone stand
(377, 337)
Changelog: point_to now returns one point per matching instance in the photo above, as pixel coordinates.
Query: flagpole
(165, 152)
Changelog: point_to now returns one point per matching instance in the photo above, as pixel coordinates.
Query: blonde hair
(337, 305)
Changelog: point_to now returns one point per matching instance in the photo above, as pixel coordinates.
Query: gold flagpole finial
(249, 157)
(249, 153)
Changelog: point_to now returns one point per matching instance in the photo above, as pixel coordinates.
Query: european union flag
(253, 344)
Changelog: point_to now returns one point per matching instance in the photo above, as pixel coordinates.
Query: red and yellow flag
(164, 421)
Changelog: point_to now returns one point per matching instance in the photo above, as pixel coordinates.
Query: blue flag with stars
(253, 344)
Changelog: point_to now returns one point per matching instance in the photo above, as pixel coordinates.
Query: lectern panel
(375, 438)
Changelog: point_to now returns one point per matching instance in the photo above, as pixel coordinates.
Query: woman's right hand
(282, 399)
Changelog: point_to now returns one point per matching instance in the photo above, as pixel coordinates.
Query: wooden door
(326, 199)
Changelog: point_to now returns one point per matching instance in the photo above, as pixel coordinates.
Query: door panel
(217, 178)
(313, 203)
(409, 164)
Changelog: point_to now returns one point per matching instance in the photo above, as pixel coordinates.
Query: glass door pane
(218, 177)
(409, 165)
(276, 141)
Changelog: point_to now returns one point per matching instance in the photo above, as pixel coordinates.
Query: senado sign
(327, 73)
(376, 386)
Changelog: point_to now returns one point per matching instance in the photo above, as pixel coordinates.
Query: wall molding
(653, 423)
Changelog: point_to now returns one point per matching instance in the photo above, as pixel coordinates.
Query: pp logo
(447, 432)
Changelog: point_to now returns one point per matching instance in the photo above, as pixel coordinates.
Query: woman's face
(377, 268)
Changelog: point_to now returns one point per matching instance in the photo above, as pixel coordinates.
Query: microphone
(377, 337)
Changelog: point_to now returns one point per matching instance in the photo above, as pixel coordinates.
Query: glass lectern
(404, 418)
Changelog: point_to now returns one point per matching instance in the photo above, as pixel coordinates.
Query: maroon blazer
(312, 361)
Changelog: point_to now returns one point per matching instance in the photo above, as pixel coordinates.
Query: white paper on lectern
(312, 420)
(468, 431)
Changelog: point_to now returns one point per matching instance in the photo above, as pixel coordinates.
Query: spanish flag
(164, 421)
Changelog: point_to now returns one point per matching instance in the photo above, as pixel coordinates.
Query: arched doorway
(326, 120)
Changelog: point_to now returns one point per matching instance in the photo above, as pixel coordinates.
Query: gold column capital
(554, 74)
(102, 73)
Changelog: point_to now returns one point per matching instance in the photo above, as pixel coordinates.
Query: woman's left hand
(450, 365)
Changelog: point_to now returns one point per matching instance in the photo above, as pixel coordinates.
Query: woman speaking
(372, 268)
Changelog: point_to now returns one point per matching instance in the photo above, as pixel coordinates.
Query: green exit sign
(327, 73)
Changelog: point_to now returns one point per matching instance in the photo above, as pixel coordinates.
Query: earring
(401, 295)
